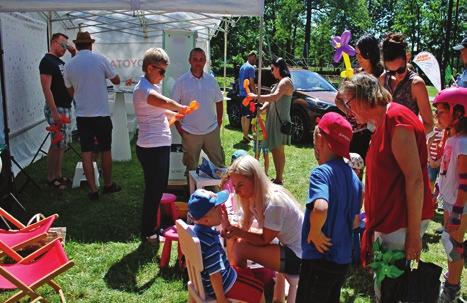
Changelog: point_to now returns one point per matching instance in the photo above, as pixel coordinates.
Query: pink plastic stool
(170, 234)
(168, 204)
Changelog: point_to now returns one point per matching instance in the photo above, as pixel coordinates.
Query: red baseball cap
(338, 133)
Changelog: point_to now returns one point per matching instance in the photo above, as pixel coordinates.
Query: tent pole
(226, 28)
(49, 26)
(260, 66)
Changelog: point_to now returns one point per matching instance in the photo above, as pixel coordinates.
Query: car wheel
(301, 126)
(234, 113)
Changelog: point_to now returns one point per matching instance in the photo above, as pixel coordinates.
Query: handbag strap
(277, 112)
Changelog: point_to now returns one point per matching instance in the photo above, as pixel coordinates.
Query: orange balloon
(246, 85)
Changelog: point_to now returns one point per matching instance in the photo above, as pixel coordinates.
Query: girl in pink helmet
(451, 111)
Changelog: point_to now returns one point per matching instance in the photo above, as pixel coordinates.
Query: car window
(310, 81)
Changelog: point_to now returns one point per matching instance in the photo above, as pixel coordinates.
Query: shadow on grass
(438, 217)
(242, 145)
(122, 275)
(360, 281)
(429, 238)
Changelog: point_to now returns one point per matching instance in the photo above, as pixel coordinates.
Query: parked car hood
(326, 96)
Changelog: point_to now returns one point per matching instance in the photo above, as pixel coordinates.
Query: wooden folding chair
(31, 272)
(191, 248)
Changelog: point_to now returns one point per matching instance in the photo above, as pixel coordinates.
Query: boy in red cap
(332, 209)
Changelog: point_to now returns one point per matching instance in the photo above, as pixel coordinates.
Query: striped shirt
(214, 259)
(436, 151)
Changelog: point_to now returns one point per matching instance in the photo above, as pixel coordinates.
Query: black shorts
(95, 133)
(290, 263)
(245, 110)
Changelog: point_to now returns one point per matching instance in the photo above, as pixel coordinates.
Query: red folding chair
(35, 270)
(13, 240)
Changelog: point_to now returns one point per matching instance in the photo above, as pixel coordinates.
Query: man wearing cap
(333, 206)
(57, 104)
(462, 47)
(201, 129)
(247, 71)
(220, 280)
(85, 78)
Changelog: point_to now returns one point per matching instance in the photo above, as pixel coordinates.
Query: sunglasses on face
(161, 70)
(400, 70)
(347, 103)
(64, 45)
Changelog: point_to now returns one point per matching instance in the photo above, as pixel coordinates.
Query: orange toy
(194, 105)
(55, 128)
(246, 86)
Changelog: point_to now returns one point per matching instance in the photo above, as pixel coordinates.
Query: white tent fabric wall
(24, 40)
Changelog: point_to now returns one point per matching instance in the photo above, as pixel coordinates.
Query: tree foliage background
(424, 23)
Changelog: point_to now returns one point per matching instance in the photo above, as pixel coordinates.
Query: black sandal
(57, 184)
(113, 188)
(277, 182)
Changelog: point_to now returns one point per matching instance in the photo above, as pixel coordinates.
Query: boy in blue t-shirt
(220, 280)
(331, 212)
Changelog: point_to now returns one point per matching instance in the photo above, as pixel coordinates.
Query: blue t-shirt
(247, 71)
(335, 182)
(214, 259)
(462, 79)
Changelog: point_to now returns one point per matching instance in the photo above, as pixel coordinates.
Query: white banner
(429, 65)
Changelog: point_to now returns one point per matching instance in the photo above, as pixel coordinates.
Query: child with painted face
(451, 111)
(220, 280)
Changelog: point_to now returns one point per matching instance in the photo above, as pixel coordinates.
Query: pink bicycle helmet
(453, 96)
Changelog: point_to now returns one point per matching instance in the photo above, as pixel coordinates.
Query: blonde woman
(154, 136)
(277, 214)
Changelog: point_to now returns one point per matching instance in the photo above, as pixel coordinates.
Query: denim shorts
(290, 263)
(262, 149)
(433, 173)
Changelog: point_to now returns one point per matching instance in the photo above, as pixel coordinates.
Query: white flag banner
(429, 65)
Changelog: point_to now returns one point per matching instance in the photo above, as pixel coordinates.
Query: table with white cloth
(121, 150)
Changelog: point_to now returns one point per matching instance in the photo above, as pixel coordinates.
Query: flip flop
(64, 180)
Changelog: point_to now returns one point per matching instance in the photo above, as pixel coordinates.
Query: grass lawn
(102, 236)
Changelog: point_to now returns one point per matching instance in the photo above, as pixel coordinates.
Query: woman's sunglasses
(161, 70)
(400, 70)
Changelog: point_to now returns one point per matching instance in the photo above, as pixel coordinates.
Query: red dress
(385, 196)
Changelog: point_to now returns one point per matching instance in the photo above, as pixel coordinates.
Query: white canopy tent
(111, 22)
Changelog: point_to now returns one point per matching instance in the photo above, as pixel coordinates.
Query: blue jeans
(155, 163)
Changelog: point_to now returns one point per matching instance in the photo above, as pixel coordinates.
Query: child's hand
(224, 217)
(232, 232)
(321, 242)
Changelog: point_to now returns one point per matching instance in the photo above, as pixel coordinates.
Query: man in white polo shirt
(85, 78)
(200, 130)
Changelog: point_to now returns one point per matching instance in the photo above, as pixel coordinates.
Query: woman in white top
(154, 137)
(278, 216)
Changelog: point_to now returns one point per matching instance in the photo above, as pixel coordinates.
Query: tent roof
(223, 7)
(140, 19)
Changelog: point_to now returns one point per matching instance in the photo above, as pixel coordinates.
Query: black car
(313, 97)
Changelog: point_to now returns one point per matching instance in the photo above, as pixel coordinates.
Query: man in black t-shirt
(57, 104)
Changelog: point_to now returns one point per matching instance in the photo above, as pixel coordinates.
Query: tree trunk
(445, 61)
(306, 47)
